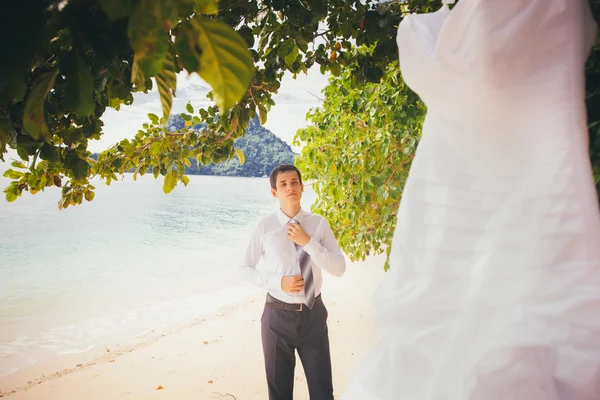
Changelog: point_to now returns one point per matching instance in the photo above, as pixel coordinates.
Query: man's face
(289, 189)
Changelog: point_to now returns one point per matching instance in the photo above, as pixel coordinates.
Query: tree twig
(226, 394)
(228, 135)
(314, 95)
(322, 34)
(37, 153)
(252, 96)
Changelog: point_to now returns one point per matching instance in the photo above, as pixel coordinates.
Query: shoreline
(217, 353)
(132, 325)
(30, 376)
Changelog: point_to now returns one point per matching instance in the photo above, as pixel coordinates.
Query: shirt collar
(284, 219)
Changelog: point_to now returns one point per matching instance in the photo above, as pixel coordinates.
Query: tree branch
(228, 135)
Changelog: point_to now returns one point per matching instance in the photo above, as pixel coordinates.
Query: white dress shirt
(280, 257)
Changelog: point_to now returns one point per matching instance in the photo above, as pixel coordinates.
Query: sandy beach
(217, 357)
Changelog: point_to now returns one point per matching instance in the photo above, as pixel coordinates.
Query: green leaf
(22, 152)
(222, 59)
(300, 42)
(149, 38)
(13, 191)
(155, 148)
(48, 152)
(248, 35)
(187, 47)
(166, 81)
(129, 149)
(185, 179)
(262, 115)
(292, 56)
(117, 9)
(12, 174)
(153, 117)
(18, 164)
(11, 196)
(285, 48)
(79, 167)
(377, 180)
(336, 69)
(5, 128)
(137, 75)
(189, 108)
(34, 121)
(207, 7)
(89, 195)
(79, 90)
(240, 155)
(14, 91)
(169, 183)
(270, 75)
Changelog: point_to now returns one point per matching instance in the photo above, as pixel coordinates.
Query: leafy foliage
(85, 56)
(360, 144)
(80, 57)
(359, 149)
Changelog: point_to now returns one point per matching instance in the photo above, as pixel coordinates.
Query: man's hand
(292, 283)
(296, 233)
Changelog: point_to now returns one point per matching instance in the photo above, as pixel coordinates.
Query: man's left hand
(297, 234)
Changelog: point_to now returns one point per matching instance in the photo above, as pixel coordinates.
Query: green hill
(262, 149)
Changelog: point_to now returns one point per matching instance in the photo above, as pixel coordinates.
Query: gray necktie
(306, 270)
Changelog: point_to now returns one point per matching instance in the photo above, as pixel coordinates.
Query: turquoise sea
(132, 261)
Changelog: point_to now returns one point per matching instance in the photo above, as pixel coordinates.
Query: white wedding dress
(494, 287)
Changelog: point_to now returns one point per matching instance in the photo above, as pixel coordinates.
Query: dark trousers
(284, 332)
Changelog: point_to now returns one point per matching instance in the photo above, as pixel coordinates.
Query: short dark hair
(280, 169)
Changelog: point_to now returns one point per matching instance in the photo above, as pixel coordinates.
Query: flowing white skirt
(494, 287)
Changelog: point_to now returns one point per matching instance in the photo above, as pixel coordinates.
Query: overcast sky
(288, 115)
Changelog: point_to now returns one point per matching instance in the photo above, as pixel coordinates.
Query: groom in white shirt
(295, 246)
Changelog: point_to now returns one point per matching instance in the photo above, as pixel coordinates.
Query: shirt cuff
(274, 282)
(312, 247)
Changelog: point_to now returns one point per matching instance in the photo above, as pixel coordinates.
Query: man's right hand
(292, 283)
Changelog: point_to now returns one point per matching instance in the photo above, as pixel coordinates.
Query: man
(295, 246)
